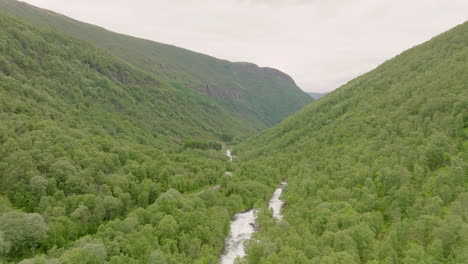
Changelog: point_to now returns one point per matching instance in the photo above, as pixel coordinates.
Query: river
(228, 153)
(275, 203)
(243, 226)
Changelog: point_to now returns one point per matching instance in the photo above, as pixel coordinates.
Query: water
(228, 153)
(243, 226)
(275, 203)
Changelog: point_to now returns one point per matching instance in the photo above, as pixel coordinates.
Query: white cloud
(321, 43)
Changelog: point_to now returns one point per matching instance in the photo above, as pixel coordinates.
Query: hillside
(46, 70)
(99, 159)
(111, 152)
(259, 97)
(377, 170)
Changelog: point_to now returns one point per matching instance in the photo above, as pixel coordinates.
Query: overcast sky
(322, 44)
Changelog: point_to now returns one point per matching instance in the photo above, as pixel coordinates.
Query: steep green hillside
(377, 170)
(260, 97)
(79, 77)
(93, 165)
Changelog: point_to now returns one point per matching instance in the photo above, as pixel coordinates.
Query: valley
(244, 225)
(115, 149)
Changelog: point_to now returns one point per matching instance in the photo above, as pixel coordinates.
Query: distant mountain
(316, 95)
(257, 97)
(53, 77)
(377, 170)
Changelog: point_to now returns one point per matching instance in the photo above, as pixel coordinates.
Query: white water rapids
(243, 226)
(275, 203)
(228, 153)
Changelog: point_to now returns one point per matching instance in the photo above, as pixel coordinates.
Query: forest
(103, 160)
(377, 170)
(92, 157)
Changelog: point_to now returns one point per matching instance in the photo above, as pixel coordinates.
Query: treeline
(204, 145)
(377, 171)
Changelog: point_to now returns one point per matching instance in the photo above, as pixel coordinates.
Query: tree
(168, 227)
(62, 169)
(4, 245)
(35, 229)
(113, 206)
(39, 186)
(82, 213)
(22, 229)
(82, 256)
(157, 257)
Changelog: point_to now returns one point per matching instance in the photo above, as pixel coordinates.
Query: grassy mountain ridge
(377, 170)
(234, 85)
(98, 79)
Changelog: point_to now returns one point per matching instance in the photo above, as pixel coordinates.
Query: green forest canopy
(100, 162)
(377, 170)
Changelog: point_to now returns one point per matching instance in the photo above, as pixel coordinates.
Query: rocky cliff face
(216, 92)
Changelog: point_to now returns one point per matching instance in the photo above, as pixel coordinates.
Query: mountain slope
(260, 96)
(377, 170)
(93, 165)
(53, 67)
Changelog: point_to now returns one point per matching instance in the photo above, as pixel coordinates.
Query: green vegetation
(5, 205)
(377, 171)
(106, 158)
(255, 97)
(92, 157)
(198, 144)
